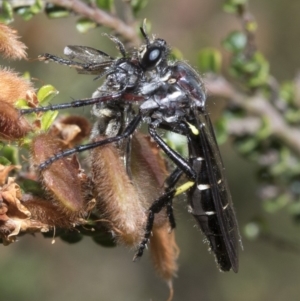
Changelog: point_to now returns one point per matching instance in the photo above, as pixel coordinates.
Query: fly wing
(210, 198)
(86, 54)
(219, 189)
(95, 61)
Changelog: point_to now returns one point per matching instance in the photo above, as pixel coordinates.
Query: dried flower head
(12, 87)
(10, 46)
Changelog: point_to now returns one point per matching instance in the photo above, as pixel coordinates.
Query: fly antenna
(144, 30)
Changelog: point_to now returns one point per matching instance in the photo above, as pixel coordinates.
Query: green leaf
(36, 7)
(246, 145)
(83, 25)
(47, 119)
(292, 116)
(255, 228)
(24, 12)
(10, 153)
(175, 54)
(277, 204)
(254, 70)
(21, 104)
(27, 12)
(26, 75)
(4, 161)
(105, 4)
(55, 11)
(46, 94)
(232, 6)
(252, 230)
(288, 92)
(221, 130)
(6, 13)
(260, 71)
(137, 5)
(235, 42)
(177, 142)
(209, 60)
(265, 130)
(251, 26)
(33, 187)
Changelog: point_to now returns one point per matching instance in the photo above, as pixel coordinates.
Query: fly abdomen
(203, 209)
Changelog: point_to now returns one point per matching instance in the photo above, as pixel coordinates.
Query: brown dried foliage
(71, 129)
(14, 216)
(5, 170)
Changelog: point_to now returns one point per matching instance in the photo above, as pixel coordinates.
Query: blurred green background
(34, 269)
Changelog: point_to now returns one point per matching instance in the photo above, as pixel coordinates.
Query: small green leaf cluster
(44, 95)
(209, 60)
(26, 12)
(252, 69)
(278, 164)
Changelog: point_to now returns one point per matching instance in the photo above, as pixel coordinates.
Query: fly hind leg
(164, 201)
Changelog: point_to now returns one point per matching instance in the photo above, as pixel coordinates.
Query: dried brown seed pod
(118, 202)
(63, 179)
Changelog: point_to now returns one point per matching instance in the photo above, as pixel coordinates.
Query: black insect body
(171, 96)
(178, 104)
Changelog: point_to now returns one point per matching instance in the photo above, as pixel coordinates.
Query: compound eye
(154, 55)
(151, 57)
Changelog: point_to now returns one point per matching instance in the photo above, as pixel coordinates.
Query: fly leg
(163, 201)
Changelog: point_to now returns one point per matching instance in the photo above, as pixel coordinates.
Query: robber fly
(170, 96)
(178, 105)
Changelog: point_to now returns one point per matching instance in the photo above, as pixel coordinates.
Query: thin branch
(256, 105)
(101, 17)
(241, 127)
